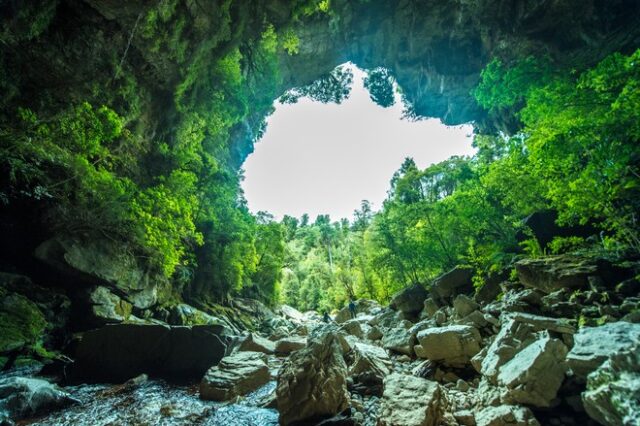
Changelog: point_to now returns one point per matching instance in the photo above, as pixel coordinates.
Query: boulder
(463, 305)
(506, 415)
(399, 340)
(374, 333)
(118, 352)
(22, 397)
(292, 314)
(613, 390)
(183, 314)
(456, 281)
(409, 301)
(369, 359)
(312, 382)
(255, 343)
(490, 288)
(22, 323)
(235, 375)
(363, 306)
(535, 374)
(94, 259)
(106, 307)
(388, 319)
(411, 401)
(594, 345)
(353, 328)
(430, 308)
(288, 345)
(452, 345)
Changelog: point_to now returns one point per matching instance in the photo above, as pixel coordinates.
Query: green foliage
(290, 42)
(379, 82)
(335, 87)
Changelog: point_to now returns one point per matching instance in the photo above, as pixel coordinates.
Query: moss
(22, 324)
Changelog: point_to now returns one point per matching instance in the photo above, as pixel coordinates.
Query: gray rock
(464, 305)
(292, 314)
(288, 345)
(552, 273)
(535, 374)
(411, 401)
(235, 375)
(457, 281)
(353, 328)
(409, 301)
(594, 345)
(430, 307)
(106, 307)
(388, 319)
(399, 340)
(183, 314)
(370, 361)
(613, 390)
(453, 345)
(374, 333)
(506, 415)
(22, 397)
(255, 343)
(363, 307)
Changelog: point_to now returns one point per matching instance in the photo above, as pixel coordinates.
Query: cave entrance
(338, 141)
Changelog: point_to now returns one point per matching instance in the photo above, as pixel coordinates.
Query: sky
(326, 158)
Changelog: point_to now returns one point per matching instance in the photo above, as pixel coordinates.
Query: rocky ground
(559, 345)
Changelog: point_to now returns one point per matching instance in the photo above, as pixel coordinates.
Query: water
(156, 402)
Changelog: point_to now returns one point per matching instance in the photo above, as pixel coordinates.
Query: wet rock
(409, 301)
(411, 401)
(453, 345)
(594, 345)
(312, 382)
(506, 415)
(115, 353)
(235, 375)
(399, 340)
(22, 397)
(255, 343)
(534, 375)
(457, 281)
(464, 305)
(552, 273)
(288, 345)
(613, 390)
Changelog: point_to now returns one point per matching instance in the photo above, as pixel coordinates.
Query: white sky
(325, 158)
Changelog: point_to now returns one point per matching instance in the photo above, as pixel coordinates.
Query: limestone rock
(288, 345)
(292, 313)
(118, 352)
(464, 305)
(409, 301)
(552, 273)
(411, 401)
(456, 281)
(388, 319)
(430, 308)
(374, 333)
(183, 314)
(452, 345)
(106, 307)
(399, 340)
(22, 397)
(353, 328)
(369, 359)
(594, 345)
(255, 343)
(312, 382)
(613, 390)
(506, 415)
(235, 375)
(535, 374)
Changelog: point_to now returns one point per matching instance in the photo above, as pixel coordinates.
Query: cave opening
(338, 141)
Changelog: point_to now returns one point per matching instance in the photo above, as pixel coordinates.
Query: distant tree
(379, 83)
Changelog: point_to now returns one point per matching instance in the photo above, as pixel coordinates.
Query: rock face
(456, 281)
(452, 345)
(22, 397)
(255, 343)
(535, 374)
(613, 390)
(118, 352)
(594, 345)
(411, 401)
(235, 375)
(552, 273)
(409, 301)
(312, 382)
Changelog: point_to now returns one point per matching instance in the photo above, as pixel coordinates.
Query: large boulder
(292, 314)
(118, 352)
(448, 285)
(399, 340)
(96, 260)
(594, 345)
(613, 390)
(353, 327)
(183, 314)
(506, 415)
(363, 306)
(369, 360)
(106, 307)
(312, 383)
(409, 301)
(411, 401)
(22, 397)
(288, 345)
(255, 343)
(463, 305)
(452, 345)
(235, 375)
(534, 375)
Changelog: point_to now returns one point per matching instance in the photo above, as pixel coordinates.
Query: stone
(353, 328)
(106, 307)
(589, 352)
(288, 345)
(534, 375)
(255, 343)
(409, 301)
(411, 401)
(613, 390)
(369, 359)
(312, 382)
(292, 313)
(430, 307)
(23, 397)
(22, 323)
(453, 345)
(456, 281)
(363, 307)
(465, 418)
(374, 333)
(235, 375)
(551, 273)
(388, 319)
(506, 415)
(463, 305)
(399, 340)
(183, 314)
(115, 353)
(490, 289)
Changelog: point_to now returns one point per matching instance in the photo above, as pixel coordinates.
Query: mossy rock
(22, 323)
